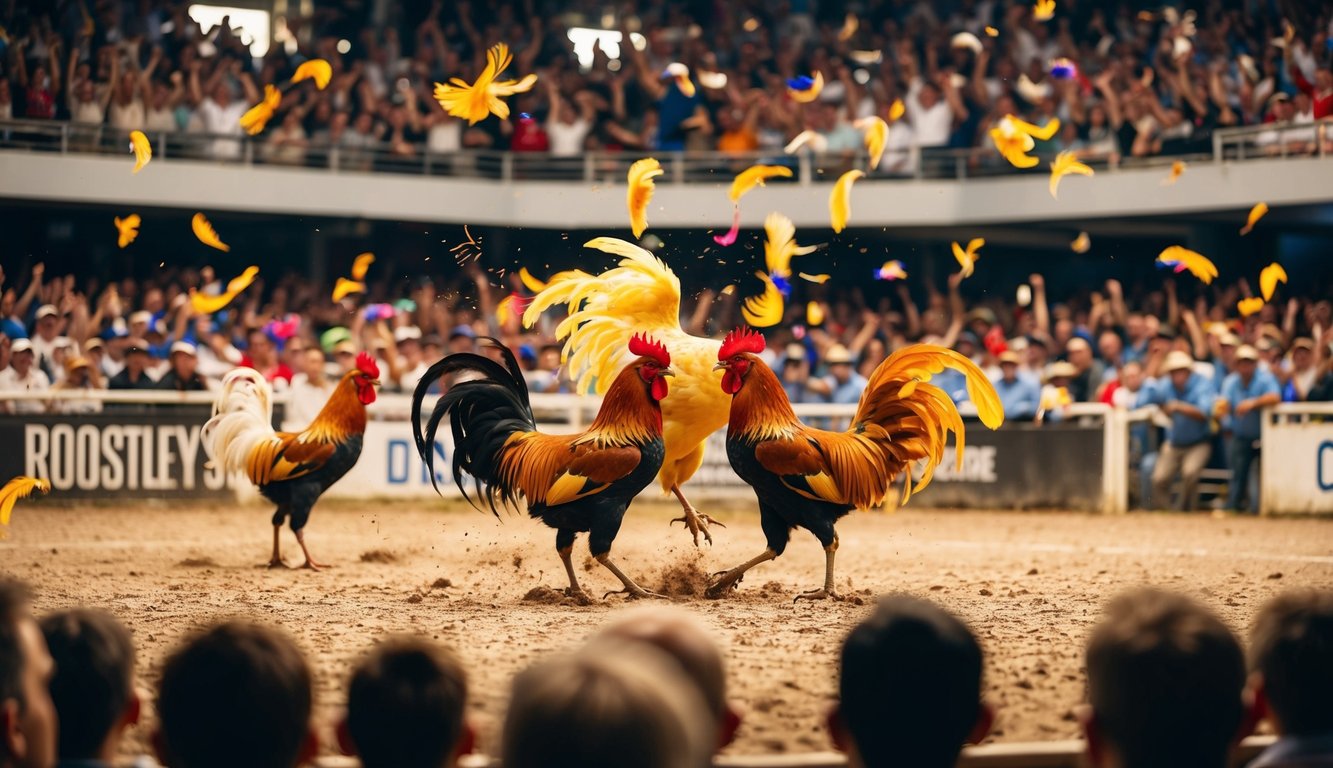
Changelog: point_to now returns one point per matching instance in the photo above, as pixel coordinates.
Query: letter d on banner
(396, 462)
(1323, 470)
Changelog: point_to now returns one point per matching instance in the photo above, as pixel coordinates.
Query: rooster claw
(580, 597)
(275, 564)
(696, 523)
(311, 565)
(818, 594)
(635, 594)
(722, 586)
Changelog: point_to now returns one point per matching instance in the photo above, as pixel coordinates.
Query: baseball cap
(63, 341)
(137, 345)
(462, 330)
(346, 346)
(406, 333)
(93, 343)
(142, 316)
(47, 310)
(1229, 339)
(1177, 360)
(20, 345)
(75, 363)
(331, 338)
(183, 347)
(1246, 352)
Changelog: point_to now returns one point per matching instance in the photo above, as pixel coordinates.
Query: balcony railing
(1232, 144)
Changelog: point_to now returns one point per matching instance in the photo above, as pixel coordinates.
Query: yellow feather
(19, 488)
(754, 176)
(345, 287)
(967, 258)
(780, 244)
(474, 102)
(255, 118)
(839, 201)
(1256, 213)
(809, 95)
(530, 282)
(876, 136)
(766, 309)
(317, 69)
(243, 280)
(143, 151)
(819, 279)
(361, 265)
(1197, 264)
(1177, 170)
(206, 234)
(1044, 10)
(640, 192)
(1249, 306)
(128, 229)
(896, 110)
(1064, 164)
(814, 314)
(1269, 278)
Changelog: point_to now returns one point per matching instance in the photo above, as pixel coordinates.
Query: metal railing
(1231, 144)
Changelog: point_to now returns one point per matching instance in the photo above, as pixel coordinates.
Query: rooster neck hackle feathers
(628, 414)
(760, 410)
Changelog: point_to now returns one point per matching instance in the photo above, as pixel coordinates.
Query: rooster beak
(720, 365)
(666, 372)
(374, 382)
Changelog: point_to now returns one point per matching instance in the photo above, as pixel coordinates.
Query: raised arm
(1040, 312)
(911, 314)
(869, 327)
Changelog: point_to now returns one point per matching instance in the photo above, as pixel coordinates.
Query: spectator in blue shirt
(1245, 392)
(845, 384)
(1019, 393)
(1187, 399)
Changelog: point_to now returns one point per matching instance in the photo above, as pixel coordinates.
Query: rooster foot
(723, 585)
(696, 523)
(819, 594)
(580, 597)
(311, 565)
(275, 564)
(635, 593)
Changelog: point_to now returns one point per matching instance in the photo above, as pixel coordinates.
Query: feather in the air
(730, 236)
(754, 176)
(896, 110)
(814, 314)
(849, 26)
(1064, 164)
(361, 265)
(641, 176)
(780, 245)
(1249, 306)
(143, 151)
(876, 136)
(1014, 138)
(344, 288)
(817, 142)
(680, 73)
(967, 257)
(1195, 263)
(713, 81)
(474, 102)
(992, 32)
(206, 234)
(817, 279)
(19, 488)
(255, 118)
(1081, 244)
(1256, 213)
(505, 310)
(805, 89)
(1177, 170)
(766, 309)
(318, 70)
(892, 270)
(840, 199)
(530, 282)
(128, 228)
(1269, 277)
(1043, 10)
(207, 304)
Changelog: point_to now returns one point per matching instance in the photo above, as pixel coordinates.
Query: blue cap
(526, 352)
(13, 329)
(463, 330)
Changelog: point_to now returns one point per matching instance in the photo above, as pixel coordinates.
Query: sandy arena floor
(1030, 585)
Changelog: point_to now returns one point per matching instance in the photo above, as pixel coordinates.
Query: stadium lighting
(250, 25)
(586, 40)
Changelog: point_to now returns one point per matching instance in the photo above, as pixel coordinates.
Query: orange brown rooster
(573, 483)
(291, 469)
(809, 478)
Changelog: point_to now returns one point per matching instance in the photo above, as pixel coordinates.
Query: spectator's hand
(954, 280)
(1169, 285)
(38, 270)
(1114, 289)
(1244, 407)
(1037, 281)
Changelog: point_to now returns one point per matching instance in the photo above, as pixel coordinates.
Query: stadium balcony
(55, 162)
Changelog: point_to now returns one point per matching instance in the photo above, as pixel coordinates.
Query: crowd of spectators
(1168, 685)
(1207, 372)
(1124, 82)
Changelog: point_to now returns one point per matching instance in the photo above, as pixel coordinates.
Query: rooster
(641, 294)
(809, 477)
(573, 483)
(292, 470)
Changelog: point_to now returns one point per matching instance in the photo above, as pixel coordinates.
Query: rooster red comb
(366, 364)
(741, 340)
(644, 346)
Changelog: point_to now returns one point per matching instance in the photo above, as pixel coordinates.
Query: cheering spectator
(93, 687)
(28, 724)
(1185, 397)
(1245, 392)
(183, 376)
(23, 375)
(1165, 685)
(1019, 393)
(235, 694)
(262, 355)
(80, 374)
(135, 373)
(310, 389)
(1291, 658)
(909, 688)
(405, 707)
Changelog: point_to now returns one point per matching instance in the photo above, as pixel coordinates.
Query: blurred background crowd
(1124, 82)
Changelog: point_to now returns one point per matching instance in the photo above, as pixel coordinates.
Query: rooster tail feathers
(919, 416)
(639, 294)
(242, 418)
(484, 412)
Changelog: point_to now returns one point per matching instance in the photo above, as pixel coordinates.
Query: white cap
(142, 316)
(20, 345)
(1178, 361)
(405, 333)
(184, 347)
(47, 310)
(63, 341)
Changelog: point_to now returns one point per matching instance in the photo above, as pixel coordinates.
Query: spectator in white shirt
(79, 375)
(219, 112)
(567, 128)
(309, 391)
(23, 375)
(46, 335)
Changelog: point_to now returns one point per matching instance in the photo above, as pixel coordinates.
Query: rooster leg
(309, 561)
(827, 592)
(732, 577)
(574, 591)
(631, 589)
(695, 521)
(276, 560)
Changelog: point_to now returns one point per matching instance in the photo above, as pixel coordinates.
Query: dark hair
(236, 694)
(1165, 678)
(910, 684)
(94, 677)
(1291, 645)
(405, 705)
(15, 597)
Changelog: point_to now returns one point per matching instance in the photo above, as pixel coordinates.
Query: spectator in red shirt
(1320, 93)
(529, 136)
(262, 355)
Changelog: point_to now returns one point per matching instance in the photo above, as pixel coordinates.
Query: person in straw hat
(1186, 398)
(1245, 392)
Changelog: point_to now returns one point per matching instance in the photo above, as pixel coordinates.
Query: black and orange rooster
(810, 478)
(573, 483)
(292, 470)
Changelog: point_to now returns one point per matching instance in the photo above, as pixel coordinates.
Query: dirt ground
(1030, 584)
